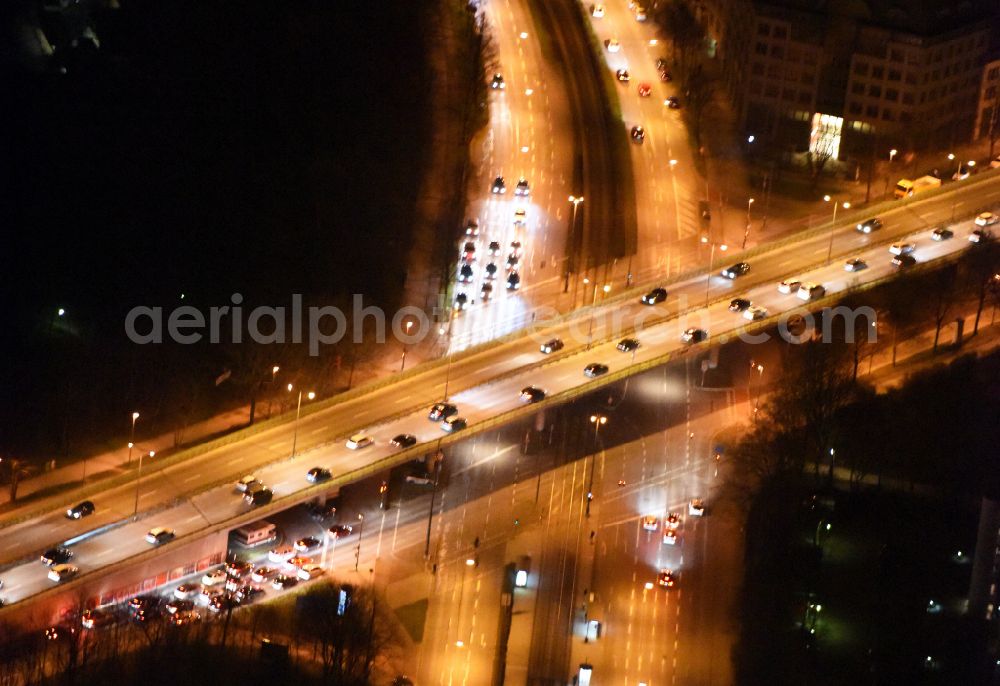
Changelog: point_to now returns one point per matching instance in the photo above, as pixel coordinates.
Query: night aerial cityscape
(500, 343)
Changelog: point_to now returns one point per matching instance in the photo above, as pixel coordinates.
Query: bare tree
(16, 469)
(250, 369)
(902, 308)
(699, 91)
(942, 294)
(980, 268)
(815, 385)
(687, 36)
(347, 638)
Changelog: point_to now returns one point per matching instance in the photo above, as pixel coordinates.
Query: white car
(207, 595)
(855, 264)
(597, 11)
(995, 163)
(310, 571)
(159, 535)
(281, 554)
(810, 291)
(650, 523)
(243, 484)
(754, 312)
(214, 577)
(696, 508)
(612, 45)
(520, 216)
(986, 219)
(670, 537)
(901, 248)
(59, 573)
(187, 591)
(789, 286)
(262, 574)
(361, 440)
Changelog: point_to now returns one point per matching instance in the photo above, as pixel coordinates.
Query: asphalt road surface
(484, 385)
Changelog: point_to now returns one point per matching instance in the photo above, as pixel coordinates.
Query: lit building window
(824, 139)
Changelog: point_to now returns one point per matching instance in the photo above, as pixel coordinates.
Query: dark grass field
(204, 149)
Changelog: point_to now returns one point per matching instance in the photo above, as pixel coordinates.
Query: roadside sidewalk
(89, 468)
(915, 353)
(116, 461)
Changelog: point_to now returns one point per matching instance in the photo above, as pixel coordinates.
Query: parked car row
(237, 583)
(494, 264)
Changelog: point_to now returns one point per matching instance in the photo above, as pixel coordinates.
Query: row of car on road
(220, 589)
(667, 578)
(494, 252)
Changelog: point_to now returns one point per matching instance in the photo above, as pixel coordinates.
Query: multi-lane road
(529, 137)
(483, 386)
(539, 521)
(668, 187)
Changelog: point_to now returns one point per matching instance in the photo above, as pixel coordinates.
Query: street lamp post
(402, 364)
(439, 456)
(598, 420)
(820, 526)
(326, 541)
(759, 368)
(892, 154)
(576, 200)
(833, 223)
(711, 265)
(131, 437)
(952, 158)
(138, 481)
(361, 530)
(593, 309)
(746, 233)
(447, 372)
(298, 409)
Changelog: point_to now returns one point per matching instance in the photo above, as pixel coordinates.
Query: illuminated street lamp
(759, 368)
(746, 233)
(958, 168)
(298, 409)
(892, 154)
(131, 436)
(598, 420)
(833, 223)
(576, 200)
(711, 264)
(593, 309)
(138, 480)
(402, 364)
(361, 530)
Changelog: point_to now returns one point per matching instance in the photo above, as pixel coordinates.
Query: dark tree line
(688, 61)
(936, 434)
(324, 647)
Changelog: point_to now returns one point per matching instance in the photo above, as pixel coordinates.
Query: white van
(310, 571)
(256, 533)
(810, 291)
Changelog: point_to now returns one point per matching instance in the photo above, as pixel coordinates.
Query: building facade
(988, 112)
(847, 78)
